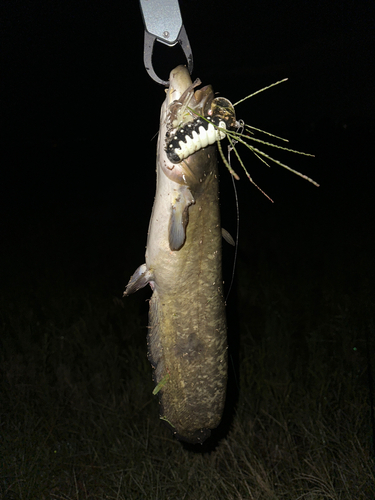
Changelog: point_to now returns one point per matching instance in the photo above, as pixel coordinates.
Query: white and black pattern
(193, 136)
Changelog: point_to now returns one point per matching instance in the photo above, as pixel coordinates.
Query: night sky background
(79, 113)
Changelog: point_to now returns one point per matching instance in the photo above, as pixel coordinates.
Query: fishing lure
(187, 137)
(194, 135)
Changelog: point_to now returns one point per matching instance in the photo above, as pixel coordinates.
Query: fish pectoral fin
(227, 237)
(140, 278)
(179, 218)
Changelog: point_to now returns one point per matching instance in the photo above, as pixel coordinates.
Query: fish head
(182, 105)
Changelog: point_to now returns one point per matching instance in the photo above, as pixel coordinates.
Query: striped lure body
(194, 136)
(197, 134)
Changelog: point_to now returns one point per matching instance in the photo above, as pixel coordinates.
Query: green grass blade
(161, 384)
(225, 161)
(261, 153)
(247, 173)
(250, 128)
(261, 90)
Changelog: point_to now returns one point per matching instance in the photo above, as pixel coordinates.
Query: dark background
(78, 114)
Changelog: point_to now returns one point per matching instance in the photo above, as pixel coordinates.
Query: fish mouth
(181, 96)
(182, 105)
(191, 123)
(179, 81)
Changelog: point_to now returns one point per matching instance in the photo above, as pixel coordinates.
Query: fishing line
(230, 148)
(371, 389)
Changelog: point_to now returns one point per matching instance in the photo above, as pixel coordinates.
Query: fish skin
(187, 337)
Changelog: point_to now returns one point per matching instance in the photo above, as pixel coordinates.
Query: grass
(78, 419)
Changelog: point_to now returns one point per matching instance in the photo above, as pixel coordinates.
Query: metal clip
(163, 22)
